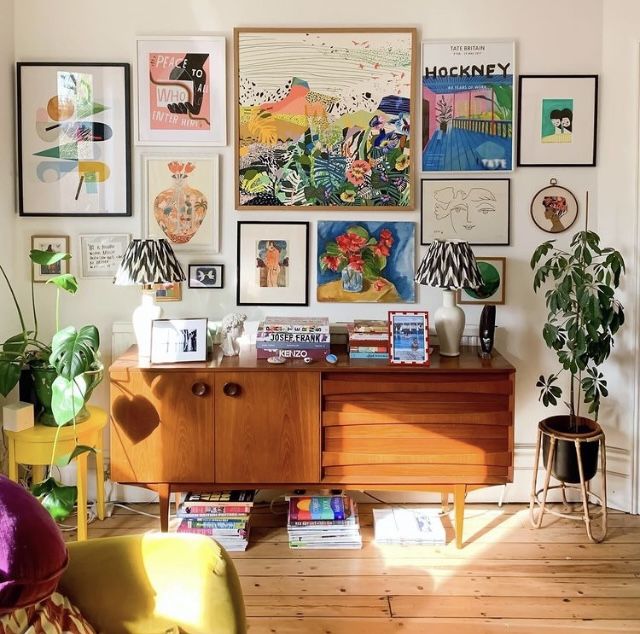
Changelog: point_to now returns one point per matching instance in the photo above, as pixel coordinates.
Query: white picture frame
(181, 90)
(158, 175)
(476, 210)
(101, 253)
(179, 340)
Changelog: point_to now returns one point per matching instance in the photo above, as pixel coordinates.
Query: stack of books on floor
(223, 516)
(293, 338)
(323, 521)
(368, 339)
(408, 526)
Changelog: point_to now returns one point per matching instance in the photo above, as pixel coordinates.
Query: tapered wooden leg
(37, 473)
(444, 498)
(13, 465)
(534, 481)
(100, 477)
(459, 491)
(177, 498)
(81, 462)
(164, 493)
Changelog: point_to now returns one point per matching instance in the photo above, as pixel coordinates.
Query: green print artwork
(557, 121)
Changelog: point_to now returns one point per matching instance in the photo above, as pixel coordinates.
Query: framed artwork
(178, 340)
(409, 337)
(493, 271)
(325, 117)
(467, 105)
(182, 91)
(102, 253)
(55, 244)
(206, 276)
(557, 120)
(554, 208)
(168, 292)
(181, 201)
(273, 261)
(366, 262)
(471, 209)
(74, 139)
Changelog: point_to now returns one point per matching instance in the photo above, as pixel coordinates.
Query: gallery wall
(586, 26)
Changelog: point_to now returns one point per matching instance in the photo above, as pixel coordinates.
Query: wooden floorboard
(509, 577)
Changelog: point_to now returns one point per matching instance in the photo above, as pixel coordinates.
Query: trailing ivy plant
(583, 316)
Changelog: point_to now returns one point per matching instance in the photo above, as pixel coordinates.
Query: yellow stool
(34, 446)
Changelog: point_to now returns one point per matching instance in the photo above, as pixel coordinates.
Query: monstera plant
(63, 373)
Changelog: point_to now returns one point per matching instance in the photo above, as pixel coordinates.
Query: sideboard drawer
(408, 424)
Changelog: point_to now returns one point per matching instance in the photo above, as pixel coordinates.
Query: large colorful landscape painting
(324, 118)
(467, 106)
(366, 262)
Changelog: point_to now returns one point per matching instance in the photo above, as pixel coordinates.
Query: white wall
(93, 31)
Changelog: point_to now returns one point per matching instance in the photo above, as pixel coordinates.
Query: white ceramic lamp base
(449, 321)
(142, 318)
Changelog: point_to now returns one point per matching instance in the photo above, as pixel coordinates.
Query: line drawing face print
(464, 209)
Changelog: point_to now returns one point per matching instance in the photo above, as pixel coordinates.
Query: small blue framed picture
(206, 275)
(409, 337)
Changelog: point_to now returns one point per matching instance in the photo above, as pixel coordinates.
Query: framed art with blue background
(409, 337)
(206, 276)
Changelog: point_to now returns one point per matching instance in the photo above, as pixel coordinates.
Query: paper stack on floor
(400, 525)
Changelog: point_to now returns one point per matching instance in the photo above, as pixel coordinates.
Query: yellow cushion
(54, 615)
(148, 584)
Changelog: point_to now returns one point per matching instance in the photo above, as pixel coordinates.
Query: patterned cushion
(54, 615)
(33, 554)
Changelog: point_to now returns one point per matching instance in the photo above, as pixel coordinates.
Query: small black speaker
(487, 331)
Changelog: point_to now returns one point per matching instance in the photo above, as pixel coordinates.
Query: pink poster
(179, 91)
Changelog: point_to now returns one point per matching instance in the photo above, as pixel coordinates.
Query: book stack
(368, 339)
(323, 521)
(293, 337)
(408, 526)
(223, 515)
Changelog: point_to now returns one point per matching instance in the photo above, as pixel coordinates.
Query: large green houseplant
(64, 373)
(583, 317)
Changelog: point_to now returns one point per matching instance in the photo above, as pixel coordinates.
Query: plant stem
(15, 300)
(33, 307)
(57, 309)
(53, 449)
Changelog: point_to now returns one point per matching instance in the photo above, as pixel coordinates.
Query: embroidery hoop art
(553, 190)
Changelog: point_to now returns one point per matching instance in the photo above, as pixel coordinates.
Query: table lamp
(147, 262)
(449, 265)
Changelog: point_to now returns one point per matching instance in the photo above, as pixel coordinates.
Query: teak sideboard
(238, 422)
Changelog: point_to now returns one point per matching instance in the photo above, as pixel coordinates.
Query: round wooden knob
(199, 389)
(231, 389)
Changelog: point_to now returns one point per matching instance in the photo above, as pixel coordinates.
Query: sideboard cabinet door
(267, 427)
(162, 426)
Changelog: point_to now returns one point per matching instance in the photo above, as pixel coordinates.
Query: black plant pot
(565, 459)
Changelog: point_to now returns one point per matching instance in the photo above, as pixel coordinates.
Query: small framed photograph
(168, 292)
(181, 200)
(273, 263)
(178, 340)
(182, 90)
(409, 337)
(557, 120)
(206, 276)
(554, 209)
(74, 139)
(476, 210)
(55, 244)
(102, 253)
(492, 270)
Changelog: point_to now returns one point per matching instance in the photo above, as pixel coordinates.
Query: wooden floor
(508, 577)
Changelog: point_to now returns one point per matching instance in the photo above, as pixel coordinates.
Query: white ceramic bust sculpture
(232, 329)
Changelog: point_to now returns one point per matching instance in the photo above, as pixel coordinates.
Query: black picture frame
(426, 237)
(61, 193)
(524, 110)
(249, 290)
(218, 278)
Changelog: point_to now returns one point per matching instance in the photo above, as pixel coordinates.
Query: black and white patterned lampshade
(149, 262)
(449, 264)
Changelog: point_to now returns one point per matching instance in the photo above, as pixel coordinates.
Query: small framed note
(102, 252)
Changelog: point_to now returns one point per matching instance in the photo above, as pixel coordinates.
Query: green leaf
(73, 352)
(329, 172)
(331, 248)
(68, 398)
(47, 257)
(66, 282)
(359, 231)
(59, 500)
(9, 374)
(66, 459)
(16, 345)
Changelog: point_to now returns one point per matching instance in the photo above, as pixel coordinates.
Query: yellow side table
(34, 446)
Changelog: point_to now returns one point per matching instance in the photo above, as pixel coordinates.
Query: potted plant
(64, 374)
(583, 317)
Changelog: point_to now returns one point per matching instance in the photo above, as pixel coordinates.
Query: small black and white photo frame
(206, 276)
(178, 340)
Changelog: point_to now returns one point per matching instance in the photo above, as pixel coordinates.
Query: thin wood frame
(64, 264)
(413, 113)
(502, 288)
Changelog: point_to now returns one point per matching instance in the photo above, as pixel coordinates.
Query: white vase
(230, 344)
